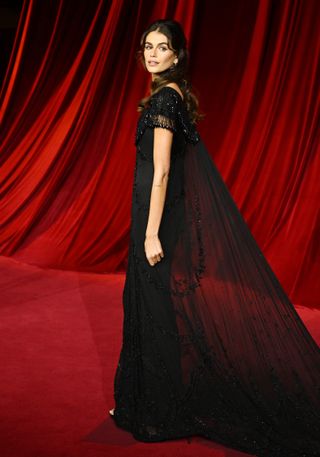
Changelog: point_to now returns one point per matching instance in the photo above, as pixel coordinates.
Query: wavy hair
(176, 73)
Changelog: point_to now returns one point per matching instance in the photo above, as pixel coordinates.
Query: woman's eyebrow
(163, 42)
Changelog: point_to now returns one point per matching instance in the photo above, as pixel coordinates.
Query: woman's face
(157, 55)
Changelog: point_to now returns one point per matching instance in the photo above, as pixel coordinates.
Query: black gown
(212, 345)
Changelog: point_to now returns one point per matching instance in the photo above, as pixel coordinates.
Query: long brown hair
(176, 73)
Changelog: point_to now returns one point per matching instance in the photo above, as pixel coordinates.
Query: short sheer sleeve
(163, 109)
(167, 110)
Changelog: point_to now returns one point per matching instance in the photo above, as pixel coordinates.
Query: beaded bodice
(167, 110)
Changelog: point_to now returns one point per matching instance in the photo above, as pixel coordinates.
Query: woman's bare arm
(161, 159)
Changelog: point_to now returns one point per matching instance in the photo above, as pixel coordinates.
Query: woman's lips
(152, 63)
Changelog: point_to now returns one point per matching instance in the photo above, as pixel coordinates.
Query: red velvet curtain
(68, 115)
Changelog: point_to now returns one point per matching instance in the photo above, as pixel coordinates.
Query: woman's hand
(153, 249)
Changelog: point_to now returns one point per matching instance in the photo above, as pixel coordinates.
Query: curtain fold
(68, 115)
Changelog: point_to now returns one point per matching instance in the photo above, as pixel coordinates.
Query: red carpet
(60, 342)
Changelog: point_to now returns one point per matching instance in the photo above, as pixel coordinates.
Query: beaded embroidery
(167, 110)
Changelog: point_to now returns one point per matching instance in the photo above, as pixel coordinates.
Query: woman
(212, 345)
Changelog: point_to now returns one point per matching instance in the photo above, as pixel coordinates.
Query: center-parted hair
(177, 73)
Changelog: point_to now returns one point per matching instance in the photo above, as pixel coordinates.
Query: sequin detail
(167, 110)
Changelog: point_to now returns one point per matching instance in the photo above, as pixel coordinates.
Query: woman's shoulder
(175, 87)
(168, 103)
(170, 91)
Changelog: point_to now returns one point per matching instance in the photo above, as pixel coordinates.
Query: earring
(173, 66)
